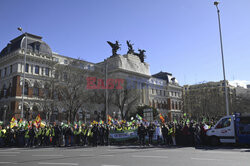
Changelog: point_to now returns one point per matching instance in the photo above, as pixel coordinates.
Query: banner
(123, 135)
(128, 135)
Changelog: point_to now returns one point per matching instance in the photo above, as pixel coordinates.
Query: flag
(30, 124)
(35, 124)
(204, 120)
(43, 124)
(21, 123)
(13, 122)
(162, 118)
(80, 123)
(101, 122)
(64, 125)
(138, 117)
(38, 119)
(110, 119)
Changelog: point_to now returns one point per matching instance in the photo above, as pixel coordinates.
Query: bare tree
(206, 102)
(125, 99)
(71, 91)
(241, 103)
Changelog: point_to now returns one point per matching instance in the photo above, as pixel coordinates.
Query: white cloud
(242, 83)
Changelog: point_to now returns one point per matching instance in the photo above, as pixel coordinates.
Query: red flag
(38, 120)
(162, 118)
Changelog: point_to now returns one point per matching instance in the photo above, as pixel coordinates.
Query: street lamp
(224, 75)
(106, 91)
(4, 115)
(20, 29)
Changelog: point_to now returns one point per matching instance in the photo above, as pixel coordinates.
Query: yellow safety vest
(27, 134)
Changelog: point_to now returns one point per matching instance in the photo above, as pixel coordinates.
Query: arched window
(173, 105)
(165, 104)
(10, 90)
(46, 91)
(4, 91)
(36, 89)
(26, 88)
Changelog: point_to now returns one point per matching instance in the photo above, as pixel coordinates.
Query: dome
(35, 44)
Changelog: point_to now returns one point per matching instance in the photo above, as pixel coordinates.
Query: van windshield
(226, 122)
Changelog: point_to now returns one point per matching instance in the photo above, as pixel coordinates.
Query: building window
(47, 71)
(4, 90)
(46, 92)
(152, 91)
(56, 75)
(56, 59)
(27, 68)
(10, 68)
(36, 89)
(65, 61)
(42, 71)
(31, 67)
(37, 69)
(65, 76)
(26, 88)
(5, 71)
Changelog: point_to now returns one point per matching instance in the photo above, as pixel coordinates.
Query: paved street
(125, 156)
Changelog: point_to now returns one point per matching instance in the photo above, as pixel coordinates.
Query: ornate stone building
(167, 95)
(37, 71)
(161, 90)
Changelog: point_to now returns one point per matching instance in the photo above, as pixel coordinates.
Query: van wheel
(215, 141)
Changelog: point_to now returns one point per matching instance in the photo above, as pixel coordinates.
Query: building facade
(161, 90)
(207, 99)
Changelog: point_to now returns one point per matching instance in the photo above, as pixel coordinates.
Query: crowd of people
(148, 134)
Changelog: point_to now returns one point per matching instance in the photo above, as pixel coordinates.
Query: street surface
(125, 156)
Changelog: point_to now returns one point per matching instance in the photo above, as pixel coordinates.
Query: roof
(163, 76)
(35, 44)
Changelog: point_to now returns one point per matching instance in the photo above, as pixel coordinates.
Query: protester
(38, 133)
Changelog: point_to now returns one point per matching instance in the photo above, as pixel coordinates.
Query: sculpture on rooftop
(130, 47)
(141, 55)
(115, 46)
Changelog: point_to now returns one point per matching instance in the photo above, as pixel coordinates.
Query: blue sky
(179, 36)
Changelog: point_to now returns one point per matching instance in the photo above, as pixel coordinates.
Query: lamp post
(224, 75)
(4, 115)
(106, 90)
(20, 29)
